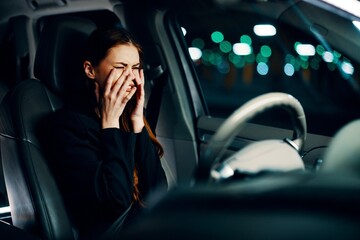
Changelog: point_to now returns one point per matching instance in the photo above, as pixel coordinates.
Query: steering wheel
(268, 155)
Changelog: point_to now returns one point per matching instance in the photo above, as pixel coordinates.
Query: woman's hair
(102, 39)
(97, 47)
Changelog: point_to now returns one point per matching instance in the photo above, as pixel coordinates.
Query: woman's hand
(117, 92)
(137, 116)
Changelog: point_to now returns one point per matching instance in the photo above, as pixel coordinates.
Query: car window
(240, 56)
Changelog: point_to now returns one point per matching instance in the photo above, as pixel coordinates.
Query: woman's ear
(89, 70)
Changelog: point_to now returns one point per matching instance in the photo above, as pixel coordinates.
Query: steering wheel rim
(218, 143)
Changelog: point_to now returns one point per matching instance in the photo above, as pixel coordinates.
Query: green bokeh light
(225, 47)
(331, 66)
(304, 58)
(304, 64)
(217, 37)
(290, 59)
(198, 43)
(337, 54)
(320, 50)
(260, 58)
(250, 58)
(206, 56)
(234, 58)
(296, 44)
(265, 51)
(314, 63)
(238, 61)
(216, 59)
(246, 39)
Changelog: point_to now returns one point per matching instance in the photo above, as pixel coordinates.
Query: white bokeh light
(264, 30)
(241, 49)
(195, 53)
(305, 49)
(328, 56)
(183, 31)
(347, 68)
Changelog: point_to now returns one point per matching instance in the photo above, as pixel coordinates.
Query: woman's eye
(119, 67)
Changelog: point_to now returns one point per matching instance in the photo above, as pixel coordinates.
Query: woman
(107, 158)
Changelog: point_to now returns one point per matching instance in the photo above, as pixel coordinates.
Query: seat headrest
(58, 62)
(343, 154)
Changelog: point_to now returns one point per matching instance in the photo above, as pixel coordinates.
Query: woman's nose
(130, 71)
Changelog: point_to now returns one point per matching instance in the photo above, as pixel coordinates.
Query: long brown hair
(98, 45)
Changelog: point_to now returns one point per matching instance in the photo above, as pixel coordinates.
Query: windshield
(239, 56)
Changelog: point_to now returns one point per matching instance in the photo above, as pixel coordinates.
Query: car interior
(229, 175)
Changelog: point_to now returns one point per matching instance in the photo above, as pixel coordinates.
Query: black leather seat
(35, 201)
(10, 232)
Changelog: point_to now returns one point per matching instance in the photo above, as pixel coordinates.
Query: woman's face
(120, 58)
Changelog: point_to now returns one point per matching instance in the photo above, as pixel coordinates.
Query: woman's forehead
(128, 54)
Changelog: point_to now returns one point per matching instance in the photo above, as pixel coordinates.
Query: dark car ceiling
(270, 8)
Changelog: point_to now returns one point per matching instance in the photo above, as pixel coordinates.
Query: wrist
(138, 127)
(105, 124)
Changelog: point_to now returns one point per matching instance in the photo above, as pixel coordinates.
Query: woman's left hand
(137, 116)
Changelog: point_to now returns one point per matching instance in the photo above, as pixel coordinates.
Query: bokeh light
(305, 49)
(241, 49)
(328, 57)
(250, 58)
(237, 60)
(265, 51)
(262, 68)
(246, 39)
(183, 31)
(195, 53)
(217, 37)
(260, 58)
(223, 67)
(347, 68)
(289, 69)
(264, 30)
(320, 50)
(225, 47)
(198, 43)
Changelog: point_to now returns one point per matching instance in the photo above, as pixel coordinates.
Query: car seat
(343, 155)
(35, 202)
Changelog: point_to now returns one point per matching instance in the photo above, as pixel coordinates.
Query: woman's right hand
(117, 92)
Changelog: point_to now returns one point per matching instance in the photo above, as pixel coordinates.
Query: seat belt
(158, 77)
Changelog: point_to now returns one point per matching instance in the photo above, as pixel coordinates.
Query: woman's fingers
(110, 81)
(118, 91)
(117, 85)
(139, 77)
(129, 95)
(127, 89)
(137, 115)
(123, 81)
